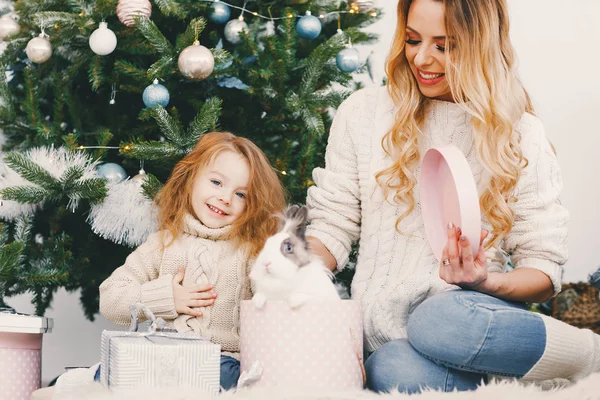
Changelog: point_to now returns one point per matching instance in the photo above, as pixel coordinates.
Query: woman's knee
(451, 327)
(397, 367)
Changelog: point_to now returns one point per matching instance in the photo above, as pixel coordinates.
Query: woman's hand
(459, 266)
(188, 298)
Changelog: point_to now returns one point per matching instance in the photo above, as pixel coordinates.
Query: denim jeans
(230, 372)
(455, 339)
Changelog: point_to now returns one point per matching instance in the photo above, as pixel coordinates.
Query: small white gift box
(317, 346)
(158, 359)
(21, 354)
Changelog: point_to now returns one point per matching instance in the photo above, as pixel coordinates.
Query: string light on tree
(234, 28)
(309, 26)
(196, 62)
(219, 12)
(103, 41)
(127, 10)
(156, 94)
(8, 27)
(362, 5)
(39, 49)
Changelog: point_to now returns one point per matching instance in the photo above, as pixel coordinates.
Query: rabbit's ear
(295, 221)
(290, 212)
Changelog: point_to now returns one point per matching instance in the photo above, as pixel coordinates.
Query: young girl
(215, 213)
(452, 80)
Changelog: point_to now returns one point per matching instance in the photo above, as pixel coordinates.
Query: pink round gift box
(449, 194)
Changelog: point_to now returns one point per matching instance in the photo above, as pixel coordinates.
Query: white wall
(557, 43)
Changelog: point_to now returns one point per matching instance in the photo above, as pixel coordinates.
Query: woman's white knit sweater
(208, 258)
(395, 271)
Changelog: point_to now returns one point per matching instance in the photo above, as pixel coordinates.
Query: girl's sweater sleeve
(539, 235)
(138, 280)
(334, 201)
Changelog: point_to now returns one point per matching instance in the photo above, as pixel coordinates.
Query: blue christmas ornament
(308, 27)
(219, 13)
(112, 172)
(348, 60)
(156, 94)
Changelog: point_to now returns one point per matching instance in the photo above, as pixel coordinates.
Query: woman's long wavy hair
(265, 198)
(482, 74)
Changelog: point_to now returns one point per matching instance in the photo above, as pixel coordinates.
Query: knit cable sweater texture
(395, 271)
(207, 258)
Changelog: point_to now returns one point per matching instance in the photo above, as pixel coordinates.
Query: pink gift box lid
(449, 194)
(25, 323)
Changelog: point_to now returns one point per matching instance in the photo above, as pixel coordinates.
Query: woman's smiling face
(425, 48)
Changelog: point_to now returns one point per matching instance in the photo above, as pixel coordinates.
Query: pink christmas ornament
(127, 10)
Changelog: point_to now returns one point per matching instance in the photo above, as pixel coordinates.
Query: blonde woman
(452, 80)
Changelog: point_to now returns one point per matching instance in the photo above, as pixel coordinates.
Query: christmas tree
(98, 91)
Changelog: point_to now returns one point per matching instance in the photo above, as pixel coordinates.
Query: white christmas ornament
(8, 27)
(196, 62)
(125, 216)
(233, 30)
(127, 10)
(103, 41)
(39, 49)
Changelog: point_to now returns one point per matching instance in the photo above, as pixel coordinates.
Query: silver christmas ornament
(140, 177)
(8, 27)
(112, 172)
(308, 27)
(348, 60)
(39, 49)
(196, 62)
(103, 41)
(219, 13)
(127, 10)
(233, 30)
(156, 94)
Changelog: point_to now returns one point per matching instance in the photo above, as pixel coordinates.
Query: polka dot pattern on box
(312, 347)
(19, 373)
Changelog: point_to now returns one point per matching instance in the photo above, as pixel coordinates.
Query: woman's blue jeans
(455, 339)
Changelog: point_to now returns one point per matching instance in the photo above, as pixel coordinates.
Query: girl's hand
(188, 298)
(459, 266)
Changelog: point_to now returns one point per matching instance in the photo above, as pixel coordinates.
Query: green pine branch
(153, 151)
(31, 171)
(206, 120)
(194, 29)
(154, 36)
(171, 8)
(151, 186)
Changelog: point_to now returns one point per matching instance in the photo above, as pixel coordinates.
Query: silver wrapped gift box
(158, 359)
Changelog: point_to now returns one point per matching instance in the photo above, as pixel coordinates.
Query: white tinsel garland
(10, 210)
(125, 216)
(54, 160)
(57, 161)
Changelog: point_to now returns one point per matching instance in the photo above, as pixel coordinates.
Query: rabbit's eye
(287, 248)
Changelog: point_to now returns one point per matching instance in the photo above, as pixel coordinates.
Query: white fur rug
(586, 389)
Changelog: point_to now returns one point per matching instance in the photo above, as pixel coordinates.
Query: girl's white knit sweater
(207, 258)
(395, 271)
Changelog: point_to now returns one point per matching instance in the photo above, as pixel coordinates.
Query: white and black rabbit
(286, 269)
